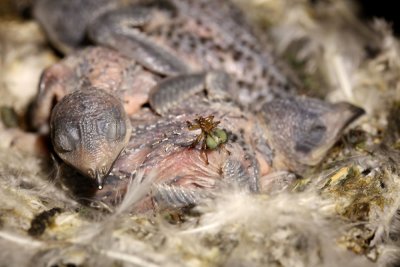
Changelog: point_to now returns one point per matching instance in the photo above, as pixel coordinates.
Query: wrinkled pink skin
(97, 67)
(157, 143)
(163, 145)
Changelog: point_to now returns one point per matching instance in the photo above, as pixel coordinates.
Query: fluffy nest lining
(342, 213)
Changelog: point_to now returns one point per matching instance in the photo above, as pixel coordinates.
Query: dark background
(369, 9)
(381, 9)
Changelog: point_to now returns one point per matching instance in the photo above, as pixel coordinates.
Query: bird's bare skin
(185, 60)
(171, 37)
(103, 70)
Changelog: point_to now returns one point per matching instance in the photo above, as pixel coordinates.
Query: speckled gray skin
(172, 37)
(195, 42)
(90, 120)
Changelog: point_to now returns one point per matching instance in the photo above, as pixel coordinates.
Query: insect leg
(204, 150)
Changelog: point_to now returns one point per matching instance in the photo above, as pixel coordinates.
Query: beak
(99, 180)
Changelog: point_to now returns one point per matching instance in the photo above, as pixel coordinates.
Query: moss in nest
(225, 242)
(357, 240)
(179, 216)
(140, 231)
(357, 139)
(355, 193)
(301, 184)
(219, 248)
(355, 143)
(42, 221)
(9, 117)
(143, 229)
(396, 145)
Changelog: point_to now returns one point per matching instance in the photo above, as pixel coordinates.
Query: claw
(99, 180)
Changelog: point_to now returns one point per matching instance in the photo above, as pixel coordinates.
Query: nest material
(344, 212)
